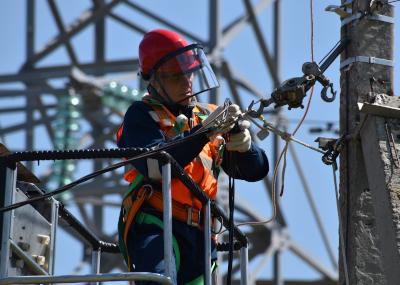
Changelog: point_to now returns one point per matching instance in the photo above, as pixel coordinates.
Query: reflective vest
(203, 169)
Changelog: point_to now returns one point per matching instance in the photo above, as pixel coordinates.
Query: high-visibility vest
(201, 169)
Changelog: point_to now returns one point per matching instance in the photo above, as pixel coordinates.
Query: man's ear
(152, 89)
(155, 85)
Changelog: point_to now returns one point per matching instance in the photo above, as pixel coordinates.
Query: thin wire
(274, 208)
(285, 136)
(393, 1)
(312, 29)
(342, 243)
(231, 219)
(319, 63)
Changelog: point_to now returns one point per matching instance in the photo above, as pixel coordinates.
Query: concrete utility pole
(369, 176)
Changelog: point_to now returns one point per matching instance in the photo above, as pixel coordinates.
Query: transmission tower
(80, 104)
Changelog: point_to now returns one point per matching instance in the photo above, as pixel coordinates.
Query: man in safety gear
(176, 72)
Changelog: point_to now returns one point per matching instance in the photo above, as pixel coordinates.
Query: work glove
(240, 141)
(228, 119)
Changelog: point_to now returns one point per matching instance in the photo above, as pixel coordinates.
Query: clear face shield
(184, 74)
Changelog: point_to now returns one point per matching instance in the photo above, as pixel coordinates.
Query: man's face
(177, 87)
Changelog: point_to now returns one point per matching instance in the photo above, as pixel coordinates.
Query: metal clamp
(332, 148)
(366, 59)
(375, 17)
(343, 12)
(190, 220)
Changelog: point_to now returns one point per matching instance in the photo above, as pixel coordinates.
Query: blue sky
(245, 58)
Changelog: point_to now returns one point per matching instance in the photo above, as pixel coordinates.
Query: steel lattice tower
(81, 94)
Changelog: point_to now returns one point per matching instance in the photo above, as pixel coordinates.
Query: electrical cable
(346, 173)
(336, 45)
(150, 153)
(231, 188)
(342, 244)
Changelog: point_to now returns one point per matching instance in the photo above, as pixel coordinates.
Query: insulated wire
(231, 187)
(319, 63)
(109, 168)
(343, 249)
(101, 171)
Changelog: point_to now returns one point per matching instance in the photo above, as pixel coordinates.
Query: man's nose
(187, 79)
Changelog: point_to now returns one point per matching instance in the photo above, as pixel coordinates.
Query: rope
(285, 149)
(287, 137)
(342, 243)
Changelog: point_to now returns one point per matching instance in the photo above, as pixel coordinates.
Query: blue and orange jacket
(200, 169)
(148, 123)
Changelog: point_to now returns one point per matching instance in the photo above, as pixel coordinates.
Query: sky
(245, 57)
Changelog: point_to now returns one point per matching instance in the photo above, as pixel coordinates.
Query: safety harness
(204, 170)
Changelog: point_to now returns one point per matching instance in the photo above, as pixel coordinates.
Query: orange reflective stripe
(200, 169)
(131, 175)
(119, 132)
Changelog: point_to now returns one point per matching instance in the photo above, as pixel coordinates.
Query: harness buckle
(148, 191)
(190, 221)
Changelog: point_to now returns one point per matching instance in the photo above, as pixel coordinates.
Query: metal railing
(169, 167)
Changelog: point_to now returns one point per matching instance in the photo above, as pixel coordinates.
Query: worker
(176, 73)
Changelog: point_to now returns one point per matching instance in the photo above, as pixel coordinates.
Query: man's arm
(140, 130)
(251, 165)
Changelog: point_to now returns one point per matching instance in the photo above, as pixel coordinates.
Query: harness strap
(180, 212)
(130, 212)
(141, 197)
(145, 218)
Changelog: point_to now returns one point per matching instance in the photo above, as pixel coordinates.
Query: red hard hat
(158, 45)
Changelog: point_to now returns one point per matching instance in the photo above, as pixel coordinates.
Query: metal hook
(263, 104)
(325, 97)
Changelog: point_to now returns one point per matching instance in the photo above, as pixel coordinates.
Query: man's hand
(226, 118)
(232, 114)
(240, 141)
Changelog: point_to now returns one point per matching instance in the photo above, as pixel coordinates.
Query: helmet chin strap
(163, 99)
(166, 99)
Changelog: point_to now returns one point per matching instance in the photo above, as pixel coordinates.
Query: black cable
(319, 63)
(148, 153)
(224, 247)
(231, 187)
